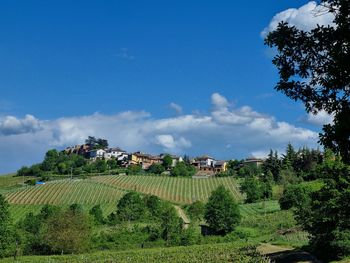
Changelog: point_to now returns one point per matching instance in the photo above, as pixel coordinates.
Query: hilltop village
(204, 165)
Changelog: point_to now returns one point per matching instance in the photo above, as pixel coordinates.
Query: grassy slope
(9, 182)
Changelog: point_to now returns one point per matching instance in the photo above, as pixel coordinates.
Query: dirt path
(182, 215)
(279, 254)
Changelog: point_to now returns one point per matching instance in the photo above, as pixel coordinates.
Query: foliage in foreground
(221, 211)
(199, 253)
(326, 217)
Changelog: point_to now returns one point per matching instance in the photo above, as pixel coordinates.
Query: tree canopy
(221, 211)
(314, 68)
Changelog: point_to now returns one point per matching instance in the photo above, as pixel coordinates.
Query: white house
(100, 153)
(205, 161)
(117, 153)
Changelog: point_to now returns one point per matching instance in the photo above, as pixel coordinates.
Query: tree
(68, 232)
(196, 210)
(50, 160)
(6, 233)
(183, 169)
(252, 188)
(153, 205)
(289, 159)
(94, 143)
(167, 161)
(97, 213)
(171, 225)
(326, 217)
(134, 169)
(295, 196)
(156, 168)
(222, 211)
(131, 207)
(76, 208)
(314, 68)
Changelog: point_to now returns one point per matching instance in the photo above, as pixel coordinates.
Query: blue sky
(75, 64)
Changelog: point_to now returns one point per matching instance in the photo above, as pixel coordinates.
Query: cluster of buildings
(204, 164)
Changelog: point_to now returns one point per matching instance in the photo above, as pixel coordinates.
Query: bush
(243, 233)
(156, 169)
(196, 210)
(131, 207)
(183, 169)
(295, 196)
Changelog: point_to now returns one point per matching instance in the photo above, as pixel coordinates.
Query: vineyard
(66, 192)
(109, 189)
(174, 189)
(229, 252)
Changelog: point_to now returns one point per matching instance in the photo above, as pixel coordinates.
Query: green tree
(156, 168)
(252, 188)
(97, 213)
(171, 225)
(76, 208)
(314, 68)
(134, 169)
(153, 205)
(326, 217)
(131, 207)
(167, 161)
(273, 165)
(295, 196)
(50, 160)
(68, 232)
(196, 210)
(7, 238)
(289, 159)
(183, 169)
(222, 211)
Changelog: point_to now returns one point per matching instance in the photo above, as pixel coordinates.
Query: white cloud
(176, 107)
(169, 143)
(11, 125)
(226, 132)
(319, 119)
(219, 101)
(306, 17)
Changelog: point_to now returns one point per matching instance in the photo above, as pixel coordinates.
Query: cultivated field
(109, 189)
(66, 192)
(175, 189)
(200, 253)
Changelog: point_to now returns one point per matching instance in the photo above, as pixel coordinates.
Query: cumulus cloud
(169, 143)
(306, 17)
(219, 101)
(319, 119)
(226, 132)
(176, 107)
(11, 125)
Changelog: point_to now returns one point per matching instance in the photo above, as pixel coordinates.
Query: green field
(9, 182)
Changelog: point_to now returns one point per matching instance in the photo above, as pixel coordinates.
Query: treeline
(291, 168)
(139, 221)
(61, 163)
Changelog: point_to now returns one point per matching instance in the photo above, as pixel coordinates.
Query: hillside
(108, 189)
